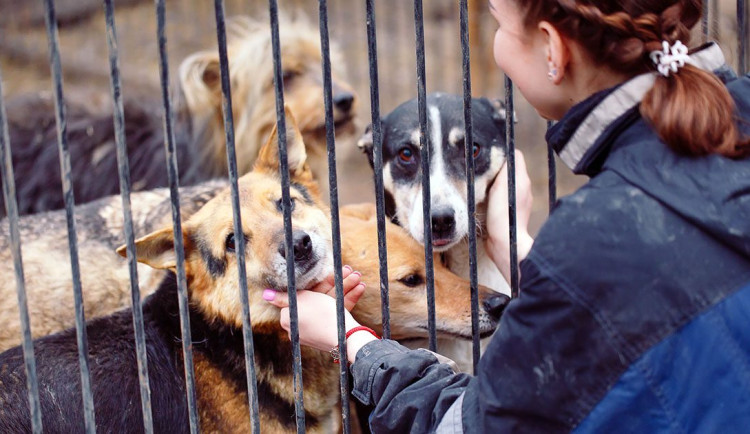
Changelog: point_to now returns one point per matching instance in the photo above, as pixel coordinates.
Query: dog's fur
(216, 317)
(199, 127)
(402, 178)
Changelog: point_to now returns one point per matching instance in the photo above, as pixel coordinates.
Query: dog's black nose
(495, 305)
(443, 223)
(303, 247)
(343, 101)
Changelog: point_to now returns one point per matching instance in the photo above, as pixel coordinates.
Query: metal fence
(169, 143)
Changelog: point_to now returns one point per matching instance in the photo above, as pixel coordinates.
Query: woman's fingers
(351, 281)
(328, 285)
(352, 285)
(276, 298)
(353, 295)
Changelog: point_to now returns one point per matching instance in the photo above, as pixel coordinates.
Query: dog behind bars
(402, 176)
(199, 127)
(215, 317)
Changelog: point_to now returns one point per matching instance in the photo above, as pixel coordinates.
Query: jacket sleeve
(410, 389)
(532, 377)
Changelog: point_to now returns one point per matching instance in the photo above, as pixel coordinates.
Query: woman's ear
(558, 52)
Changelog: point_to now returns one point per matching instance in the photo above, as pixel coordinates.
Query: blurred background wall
(191, 28)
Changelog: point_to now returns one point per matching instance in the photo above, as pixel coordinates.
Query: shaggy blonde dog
(199, 126)
(253, 97)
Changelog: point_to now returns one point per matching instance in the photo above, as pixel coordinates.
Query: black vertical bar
(335, 223)
(124, 174)
(247, 331)
(714, 31)
(173, 175)
(425, 156)
(469, 156)
(704, 22)
(286, 201)
(68, 197)
(377, 141)
(742, 36)
(552, 180)
(510, 139)
(11, 208)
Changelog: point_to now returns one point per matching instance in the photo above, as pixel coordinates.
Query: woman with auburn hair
(634, 313)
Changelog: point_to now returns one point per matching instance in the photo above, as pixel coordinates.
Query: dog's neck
(220, 357)
(457, 258)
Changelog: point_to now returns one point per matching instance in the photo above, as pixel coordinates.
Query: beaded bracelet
(336, 354)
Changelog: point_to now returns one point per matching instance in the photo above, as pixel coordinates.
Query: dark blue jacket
(634, 313)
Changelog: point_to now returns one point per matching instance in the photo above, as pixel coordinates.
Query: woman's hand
(498, 219)
(316, 312)
(351, 281)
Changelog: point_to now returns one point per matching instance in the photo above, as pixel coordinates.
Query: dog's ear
(268, 156)
(366, 144)
(200, 76)
(499, 113)
(155, 249)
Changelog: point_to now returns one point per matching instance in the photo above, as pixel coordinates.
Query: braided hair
(688, 110)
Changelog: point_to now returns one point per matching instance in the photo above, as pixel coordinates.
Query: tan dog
(254, 100)
(407, 283)
(216, 316)
(198, 121)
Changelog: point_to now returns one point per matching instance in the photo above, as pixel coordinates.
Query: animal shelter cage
(711, 10)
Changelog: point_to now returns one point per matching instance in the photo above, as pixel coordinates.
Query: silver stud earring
(552, 74)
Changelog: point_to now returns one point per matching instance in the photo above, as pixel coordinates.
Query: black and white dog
(402, 175)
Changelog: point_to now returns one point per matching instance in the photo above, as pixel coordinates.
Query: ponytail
(691, 110)
(694, 114)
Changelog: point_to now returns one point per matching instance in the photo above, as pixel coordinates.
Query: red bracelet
(335, 350)
(361, 328)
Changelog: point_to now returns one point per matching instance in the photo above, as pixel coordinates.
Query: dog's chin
(344, 125)
(423, 333)
(318, 272)
(444, 244)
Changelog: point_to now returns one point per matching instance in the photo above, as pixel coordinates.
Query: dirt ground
(190, 27)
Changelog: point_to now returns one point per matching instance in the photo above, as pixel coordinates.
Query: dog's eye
(229, 243)
(406, 155)
(230, 240)
(288, 75)
(412, 280)
(476, 149)
(280, 204)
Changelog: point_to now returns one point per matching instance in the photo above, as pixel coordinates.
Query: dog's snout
(495, 305)
(443, 223)
(303, 247)
(343, 101)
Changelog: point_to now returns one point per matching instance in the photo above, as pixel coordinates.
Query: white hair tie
(671, 58)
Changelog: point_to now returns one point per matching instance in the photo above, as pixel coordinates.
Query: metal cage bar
(69, 199)
(510, 140)
(11, 207)
(174, 194)
(377, 140)
(247, 330)
(470, 195)
(425, 157)
(551, 174)
(123, 170)
(287, 211)
(742, 36)
(335, 223)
